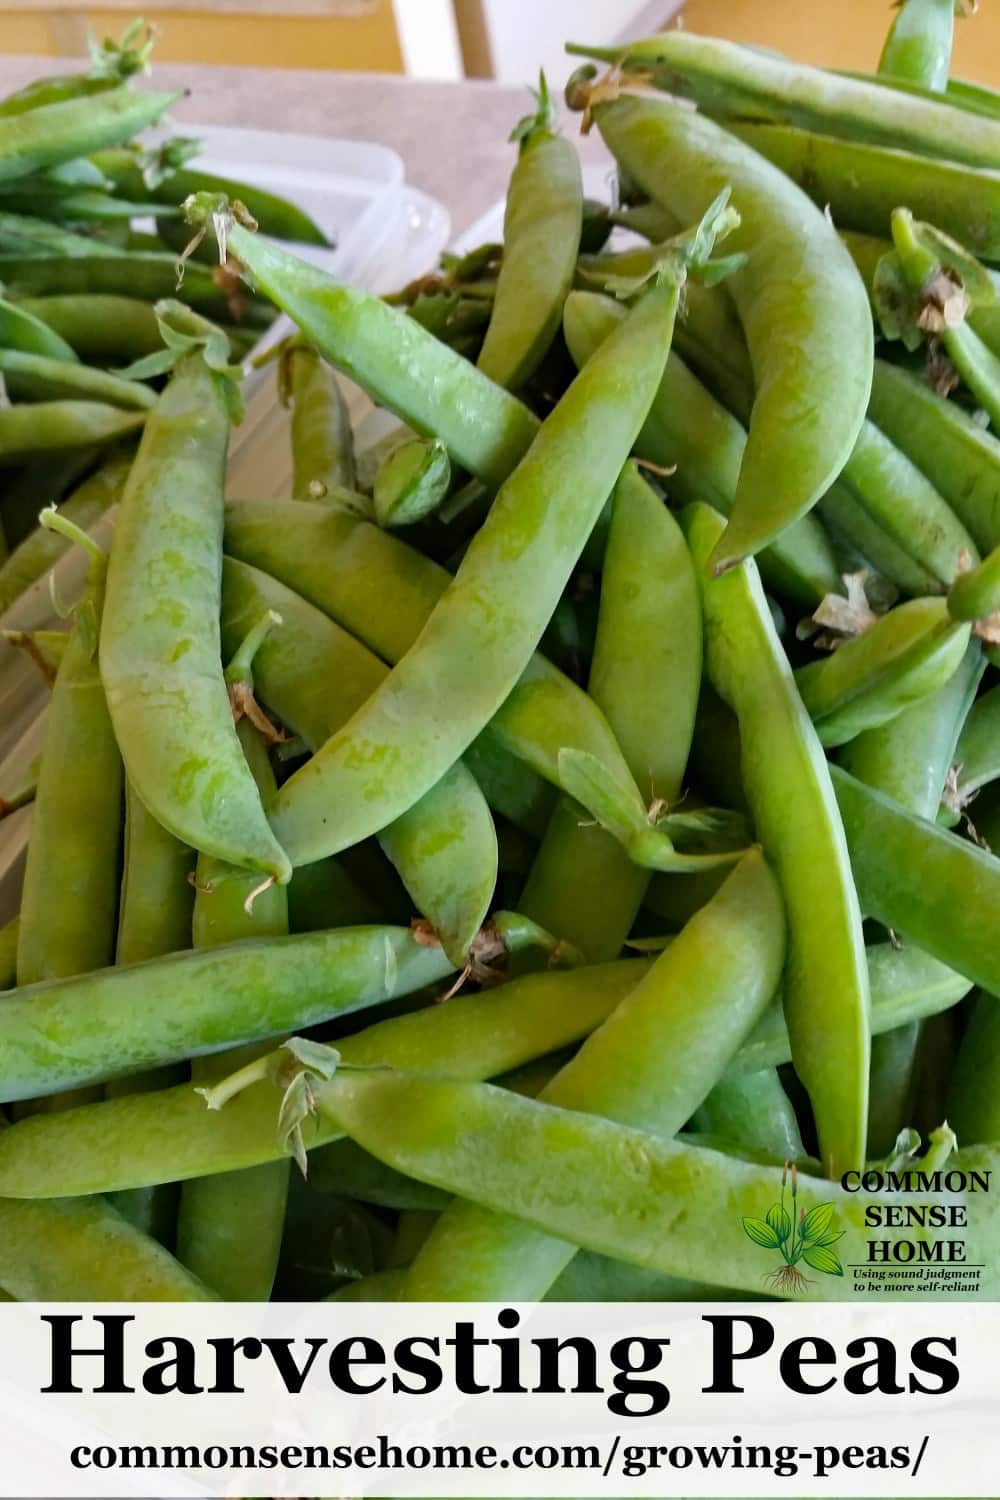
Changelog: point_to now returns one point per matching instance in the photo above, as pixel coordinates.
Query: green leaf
(822, 1259)
(831, 1238)
(315, 1056)
(761, 1233)
(780, 1221)
(816, 1222)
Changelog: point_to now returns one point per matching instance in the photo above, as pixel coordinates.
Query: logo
(797, 1235)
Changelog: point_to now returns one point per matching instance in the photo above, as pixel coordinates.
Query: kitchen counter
(451, 136)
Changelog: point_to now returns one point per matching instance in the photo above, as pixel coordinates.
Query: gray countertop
(451, 136)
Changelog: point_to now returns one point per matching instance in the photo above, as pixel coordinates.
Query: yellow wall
(366, 41)
(841, 33)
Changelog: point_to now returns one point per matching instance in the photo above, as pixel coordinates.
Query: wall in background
(510, 39)
(846, 34)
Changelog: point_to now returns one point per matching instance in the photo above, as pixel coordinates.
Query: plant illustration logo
(797, 1235)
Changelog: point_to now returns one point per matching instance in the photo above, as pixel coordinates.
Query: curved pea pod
(906, 655)
(619, 1072)
(399, 364)
(922, 882)
(650, 1201)
(322, 444)
(444, 846)
(729, 80)
(153, 1138)
(827, 1005)
(42, 549)
(411, 482)
(909, 758)
(894, 1083)
(645, 675)
(22, 329)
(862, 184)
(63, 1033)
(848, 519)
(905, 504)
(69, 902)
(957, 455)
(148, 275)
(918, 46)
(82, 1250)
(487, 623)
(58, 132)
(973, 1099)
(157, 897)
(160, 658)
(49, 426)
(799, 299)
(702, 446)
(35, 377)
(541, 240)
(752, 1111)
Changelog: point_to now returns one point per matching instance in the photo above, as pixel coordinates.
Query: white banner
(654, 1399)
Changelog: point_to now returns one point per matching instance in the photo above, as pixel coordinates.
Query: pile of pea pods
(504, 867)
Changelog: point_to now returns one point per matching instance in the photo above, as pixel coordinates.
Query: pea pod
(905, 656)
(752, 1112)
(744, 83)
(57, 132)
(694, 438)
(97, 326)
(124, 1143)
(35, 377)
(972, 1102)
(69, 902)
(542, 227)
(650, 1201)
(156, 896)
(975, 594)
(861, 184)
(147, 275)
(850, 522)
(444, 847)
(322, 445)
(798, 297)
(411, 482)
(977, 753)
(783, 765)
(487, 623)
(648, 595)
(51, 426)
(918, 47)
(111, 63)
(163, 679)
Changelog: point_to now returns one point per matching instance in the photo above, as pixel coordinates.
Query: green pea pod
(862, 184)
(694, 438)
(918, 47)
(163, 678)
(848, 519)
(582, 884)
(27, 235)
(157, 897)
(657, 1203)
(977, 753)
(619, 1072)
(125, 1143)
(98, 326)
(487, 623)
(343, 1168)
(147, 275)
(58, 132)
(892, 1086)
(444, 847)
(322, 445)
(82, 1250)
(68, 1032)
(35, 377)
(973, 1097)
(906, 655)
(411, 482)
(729, 80)
(922, 882)
(399, 364)
(958, 456)
(42, 549)
(975, 595)
(69, 902)
(909, 758)
(752, 1111)
(24, 330)
(783, 767)
(51, 426)
(541, 240)
(798, 297)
